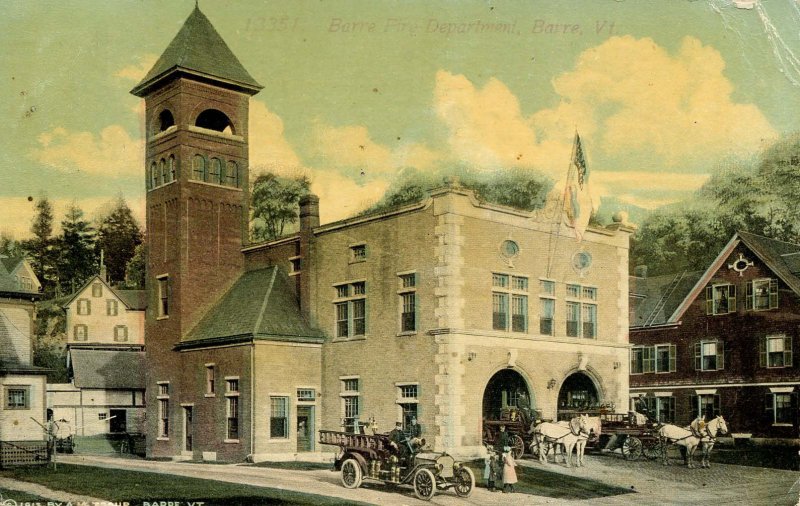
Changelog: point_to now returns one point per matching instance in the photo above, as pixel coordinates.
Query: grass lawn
(555, 485)
(19, 497)
(136, 487)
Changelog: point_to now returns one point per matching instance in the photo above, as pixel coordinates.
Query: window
(210, 379)
(171, 169)
(358, 253)
(279, 417)
(408, 402)
(351, 313)
(232, 400)
(709, 355)
(163, 296)
(762, 294)
(720, 299)
(102, 416)
(80, 332)
(589, 321)
(574, 291)
(215, 171)
(546, 315)
(665, 358)
(642, 359)
(662, 409)
(153, 179)
(232, 174)
(97, 290)
(199, 168)
(573, 318)
(111, 307)
(779, 407)
(120, 333)
(163, 409)
(295, 265)
(162, 171)
(84, 307)
(17, 397)
(514, 289)
(306, 395)
(590, 293)
(706, 405)
(351, 409)
(776, 351)
(547, 287)
(408, 302)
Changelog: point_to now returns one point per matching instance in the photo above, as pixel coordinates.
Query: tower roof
(198, 50)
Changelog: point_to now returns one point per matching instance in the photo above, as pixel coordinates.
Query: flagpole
(560, 208)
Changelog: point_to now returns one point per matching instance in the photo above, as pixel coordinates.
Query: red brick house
(722, 340)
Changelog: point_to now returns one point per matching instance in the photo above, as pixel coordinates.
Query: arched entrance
(578, 392)
(506, 389)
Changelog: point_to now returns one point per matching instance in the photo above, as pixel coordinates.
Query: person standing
(509, 473)
(490, 469)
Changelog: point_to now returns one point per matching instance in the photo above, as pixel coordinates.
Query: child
(490, 469)
(509, 473)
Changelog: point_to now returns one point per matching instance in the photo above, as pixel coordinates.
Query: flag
(577, 199)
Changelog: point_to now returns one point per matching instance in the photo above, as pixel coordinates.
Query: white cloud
(269, 149)
(138, 70)
(341, 197)
(112, 153)
(625, 184)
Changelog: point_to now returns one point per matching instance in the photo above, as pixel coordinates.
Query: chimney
(103, 272)
(309, 219)
(640, 271)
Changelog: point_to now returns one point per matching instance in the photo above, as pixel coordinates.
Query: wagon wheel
(465, 481)
(351, 474)
(632, 448)
(517, 445)
(652, 449)
(424, 484)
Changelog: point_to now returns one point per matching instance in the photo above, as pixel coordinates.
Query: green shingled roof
(198, 49)
(260, 305)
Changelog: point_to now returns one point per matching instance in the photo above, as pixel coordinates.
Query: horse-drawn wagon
(375, 458)
(517, 424)
(631, 433)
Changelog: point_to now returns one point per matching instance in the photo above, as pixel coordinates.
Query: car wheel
(465, 481)
(351, 474)
(424, 484)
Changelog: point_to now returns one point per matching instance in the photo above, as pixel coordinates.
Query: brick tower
(196, 171)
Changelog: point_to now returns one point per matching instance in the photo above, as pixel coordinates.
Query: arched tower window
(199, 168)
(232, 174)
(165, 120)
(215, 171)
(213, 119)
(171, 167)
(151, 176)
(162, 172)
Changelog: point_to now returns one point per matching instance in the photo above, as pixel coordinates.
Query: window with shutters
(642, 360)
(84, 307)
(720, 299)
(350, 309)
(762, 294)
(97, 290)
(665, 355)
(508, 289)
(80, 332)
(709, 355)
(775, 351)
(120, 333)
(780, 407)
(112, 308)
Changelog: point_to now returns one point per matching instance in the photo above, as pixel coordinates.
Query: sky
(358, 92)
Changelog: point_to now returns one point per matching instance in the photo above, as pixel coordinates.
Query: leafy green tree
(49, 340)
(76, 250)
(274, 204)
(118, 234)
(135, 270)
(9, 246)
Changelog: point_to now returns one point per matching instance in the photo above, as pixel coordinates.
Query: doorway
(577, 394)
(305, 428)
(506, 389)
(188, 428)
(119, 420)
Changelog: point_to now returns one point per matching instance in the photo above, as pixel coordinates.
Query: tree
(49, 340)
(117, 237)
(40, 248)
(274, 204)
(76, 250)
(135, 270)
(10, 247)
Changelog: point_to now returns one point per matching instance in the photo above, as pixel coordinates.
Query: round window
(581, 261)
(509, 249)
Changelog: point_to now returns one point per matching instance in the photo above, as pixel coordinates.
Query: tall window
(408, 401)
(215, 171)
(163, 296)
(17, 397)
(171, 169)
(642, 359)
(80, 332)
(662, 409)
(408, 302)
(120, 333)
(199, 168)
(665, 355)
(776, 351)
(707, 405)
(111, 307)
(351, 409)
(507, 288)
(779, 406)
(210, 379)
(350, 307)
(232, 174)
(589, 320)
(762, 294)
(709, 355)
(720, 299)
(84, 307)
(162, 171)
(547, 307)
(573, 318)
(279, 417)
(581, 312)
(152, 180)
(163, 410)
(232, 399)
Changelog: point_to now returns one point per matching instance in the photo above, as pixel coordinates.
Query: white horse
(569, 434)
(690, 438)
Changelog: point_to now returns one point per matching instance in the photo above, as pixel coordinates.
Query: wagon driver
(399, 441)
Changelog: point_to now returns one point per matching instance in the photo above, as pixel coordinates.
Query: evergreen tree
(40, 248)
(76, 249)
(118, 234)
(135, 270)
(10, 247)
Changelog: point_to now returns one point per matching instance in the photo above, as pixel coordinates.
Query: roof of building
(134, 299)
(660, 296)
(198, 49)
(9, 282)
(107, 369)
(260, 305)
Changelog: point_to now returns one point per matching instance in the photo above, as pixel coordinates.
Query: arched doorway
(578, 392)
(506, 389)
